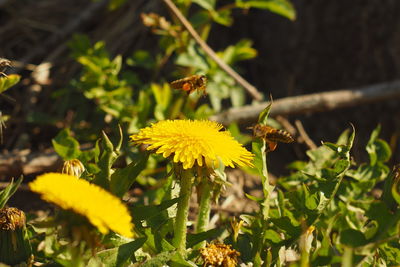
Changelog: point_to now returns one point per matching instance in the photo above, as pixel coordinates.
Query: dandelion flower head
(191, 141)
(102, 209)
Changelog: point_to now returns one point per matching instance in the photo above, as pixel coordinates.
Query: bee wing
(279, 136)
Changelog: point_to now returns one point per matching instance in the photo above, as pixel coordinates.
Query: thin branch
(311, 103)
(208, 50)
(303, 134)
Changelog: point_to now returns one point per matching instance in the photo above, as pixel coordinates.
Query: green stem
(179, 240)
(204, 208)
(347, 258)
(267, 187)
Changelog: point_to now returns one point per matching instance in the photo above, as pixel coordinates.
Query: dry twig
(311, 103)
(303, 134)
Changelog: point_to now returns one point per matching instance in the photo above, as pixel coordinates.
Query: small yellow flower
(103, 210)
(188, 142)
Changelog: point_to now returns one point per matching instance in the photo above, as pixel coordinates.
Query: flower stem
(204, 208)
(179, 240)
(267, 187)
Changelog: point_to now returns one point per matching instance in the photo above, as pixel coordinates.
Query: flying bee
(4, 64)
(271, 135)
(191, 84)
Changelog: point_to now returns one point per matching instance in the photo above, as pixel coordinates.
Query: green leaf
(107, 158)
(149, 211)
(163, 97)
(286, 224)
(378, 150)
(352, 238)
(65, 145)
(179, 261)
(7, 82)
(262, 118)
(297, 165)
(114, 4)
(7, 192)
(206, 4)
(256, 199)
(194, 57)
(122, 179)
(239, 52)
(119, 256)
(159, 260)
(193, 239)
(141, 58)
(390, 185)
(223, 17)
(395, 189)
(280, 7)
(341, 166)
(272, 236)
(310, 200)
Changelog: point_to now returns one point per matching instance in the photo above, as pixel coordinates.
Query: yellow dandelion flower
(103, 210)
(188, 142)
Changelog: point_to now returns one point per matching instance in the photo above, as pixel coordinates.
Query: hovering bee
(191, 84)
(4, 63)
(271, 135)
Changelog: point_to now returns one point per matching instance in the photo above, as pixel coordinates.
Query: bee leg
(271, 146)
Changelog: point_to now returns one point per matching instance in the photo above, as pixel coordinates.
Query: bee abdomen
(279, 136)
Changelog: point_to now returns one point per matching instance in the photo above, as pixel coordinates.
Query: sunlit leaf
(65, 145)
(281, 7)
(8, 81)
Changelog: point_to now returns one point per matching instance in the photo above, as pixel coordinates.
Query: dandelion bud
(14, 242)
(219, 255)
(73, 167)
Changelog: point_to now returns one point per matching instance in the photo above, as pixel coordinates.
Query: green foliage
(8, 81)
(7, 192)
(100, 79)
(325, 212)
(281, 7)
